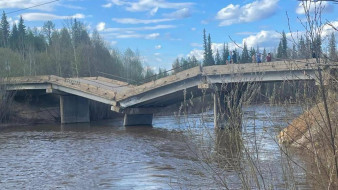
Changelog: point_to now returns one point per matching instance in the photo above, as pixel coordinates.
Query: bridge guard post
(138, 119)
(74, 109)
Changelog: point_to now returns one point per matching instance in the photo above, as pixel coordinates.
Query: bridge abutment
(138, 119)
(74, 109)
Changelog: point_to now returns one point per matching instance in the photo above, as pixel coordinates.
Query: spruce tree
(294, 52)
(218, 59)
(4, 30)
(280, 50)
(205, 45)
(284, 46)
(264, 55)
(245, 54)
(332, 48)
(21, 35)
(211, 60)
(225, 53)
(301, 48)
(14, 38)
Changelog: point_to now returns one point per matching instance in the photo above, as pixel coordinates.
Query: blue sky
(163, 30)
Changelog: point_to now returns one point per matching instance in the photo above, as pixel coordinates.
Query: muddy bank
(311, 127)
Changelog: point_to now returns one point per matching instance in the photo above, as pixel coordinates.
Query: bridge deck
(121, 94)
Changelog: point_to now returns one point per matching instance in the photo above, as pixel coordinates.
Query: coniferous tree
(205, 45)
(225, 53)
(294, 52)
(280, 50)
(21, 35)
(245, 54)
(218, 60)
(302, 48)
(284, 46)
(14, 38)
(252, 53)
(211, 60)
(308, 48)
(332, 48)
(317, 47)
(264, 55)
(4, 30)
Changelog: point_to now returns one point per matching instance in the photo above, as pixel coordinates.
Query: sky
(162, 30)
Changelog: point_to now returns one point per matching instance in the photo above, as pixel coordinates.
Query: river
(106, 155)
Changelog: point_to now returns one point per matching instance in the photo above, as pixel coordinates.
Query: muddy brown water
(106, 155)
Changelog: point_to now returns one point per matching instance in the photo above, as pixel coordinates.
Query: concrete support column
(219, 110)
(228, 108)
(74, 109)
(138, 119)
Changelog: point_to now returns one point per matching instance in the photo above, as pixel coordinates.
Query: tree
(301, 48)
(4, 30)
(218, 59)
(14, 38)
(294, 52)
(21, 35)
(205, 45)
(264, 55)
(245, 54)
(284, 41)
(176, 66)
(332, 48)
(225, 53)
(280, 50)
(48, 28)
(211, 60)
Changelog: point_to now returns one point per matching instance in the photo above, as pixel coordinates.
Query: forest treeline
(68, 52)
(73, 52)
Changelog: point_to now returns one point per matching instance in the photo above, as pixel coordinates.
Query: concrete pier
(138, 119)
(74, 109)
(228, 108)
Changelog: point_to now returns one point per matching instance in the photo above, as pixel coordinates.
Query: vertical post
(74, 109)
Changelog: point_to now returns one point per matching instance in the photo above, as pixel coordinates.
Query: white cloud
(139, 21)
(152, 36)
(149, 5)
(267, 39)
(327, 30)
(108, 5)
(101, 26)
(322, 6)
(145, 36)
(47, 16)
(153, 11)
(158, 59)
(157, 27)
(197, 53)
(21, 4)
(113, 43)
(158, 47)
(196, 45)
(257, 10)
(179, 14)
(193, 29)
(157, 54)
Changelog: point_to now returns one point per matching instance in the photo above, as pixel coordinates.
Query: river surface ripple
(106, 155)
